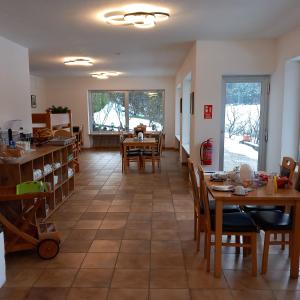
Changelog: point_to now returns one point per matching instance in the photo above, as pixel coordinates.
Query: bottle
(270, 185)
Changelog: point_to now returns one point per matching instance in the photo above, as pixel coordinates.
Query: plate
(223, 188)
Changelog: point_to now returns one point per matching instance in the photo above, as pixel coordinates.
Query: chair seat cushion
(236, 222)
(227, 208)
(149, 153)
(133, 153)
(272, 220)
(248, 208)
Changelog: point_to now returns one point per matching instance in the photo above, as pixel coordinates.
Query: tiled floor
(131, 237)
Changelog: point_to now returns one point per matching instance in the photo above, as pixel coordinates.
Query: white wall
(38, 88)
(215, 59)
(291, 110)
(209, 61)
(73, 92)
(288, 47)
(14, 84)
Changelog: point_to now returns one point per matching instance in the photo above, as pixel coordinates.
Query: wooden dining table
(135, 143)
(149, 143)
(258, 196)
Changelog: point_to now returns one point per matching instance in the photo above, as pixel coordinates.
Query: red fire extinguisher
(206, 151)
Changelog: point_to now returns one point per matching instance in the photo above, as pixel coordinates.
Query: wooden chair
(199, 224)
(153, 154)
(76, 147)
(287, 168)
(272, 222)
(198, 205)
(130, 155)
(237, 224)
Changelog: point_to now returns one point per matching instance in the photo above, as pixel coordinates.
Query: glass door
(245, 116)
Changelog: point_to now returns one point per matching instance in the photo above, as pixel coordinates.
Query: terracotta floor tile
(129, 278)
(105, 246)
(92, 216)
(238, 279)
(174, 294)
(81, 235)
(87, 293)
(168, 278)
(75, 246)
(66, 260)
(133, 261)
(253, 294)
(113, 224)
(202, 279)
(135, 246)
(128, 294)
(47, 293)
(16, 293)
(211, 294)
(164, 234)
(166, 261)
(88, 224)
(109, 234)
(99, 260)
(166, 247)
(56, 278)
(138, 234)
(284, 295)
(22, 277)
(93, 278)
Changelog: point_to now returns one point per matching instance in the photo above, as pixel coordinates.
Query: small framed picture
(33, 101)
(192, 104)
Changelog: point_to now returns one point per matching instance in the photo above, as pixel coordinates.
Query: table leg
(218, 237)
(295, 245)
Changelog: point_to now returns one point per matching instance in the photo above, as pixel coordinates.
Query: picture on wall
(33, 101)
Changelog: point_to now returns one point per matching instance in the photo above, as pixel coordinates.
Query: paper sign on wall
(208, 111)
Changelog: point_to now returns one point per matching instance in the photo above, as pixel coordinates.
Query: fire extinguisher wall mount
(206, 151)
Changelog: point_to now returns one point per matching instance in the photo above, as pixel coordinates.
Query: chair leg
(195, 225)
(237, 240)
(283, 241)
(265, 253)
(153, 166)
(245, 249)
(198, 234)
(254, 253)
(275, 236)
(205, 244)
(208, 252)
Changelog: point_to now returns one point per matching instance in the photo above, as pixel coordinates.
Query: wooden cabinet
(47, 163)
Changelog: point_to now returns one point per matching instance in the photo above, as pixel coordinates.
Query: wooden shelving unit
(52, 121)
(61, 178)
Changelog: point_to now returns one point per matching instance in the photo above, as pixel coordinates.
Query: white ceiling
(53, 29)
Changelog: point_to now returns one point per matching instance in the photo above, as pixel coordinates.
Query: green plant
(58, 109)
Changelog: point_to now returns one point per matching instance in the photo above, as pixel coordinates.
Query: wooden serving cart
(22, 229)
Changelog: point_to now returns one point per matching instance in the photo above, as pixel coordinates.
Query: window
(146, 107)
(121, 110)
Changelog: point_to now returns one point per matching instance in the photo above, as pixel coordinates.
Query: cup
(240, 190)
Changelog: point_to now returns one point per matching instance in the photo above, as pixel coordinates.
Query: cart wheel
(48, 248)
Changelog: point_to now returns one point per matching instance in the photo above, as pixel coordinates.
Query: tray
(58, 141)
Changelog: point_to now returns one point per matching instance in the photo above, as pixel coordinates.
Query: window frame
(126, 105)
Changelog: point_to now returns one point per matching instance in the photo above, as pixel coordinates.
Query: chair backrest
(287, 168)
(193, 181)
(204, 197)
(63, 133)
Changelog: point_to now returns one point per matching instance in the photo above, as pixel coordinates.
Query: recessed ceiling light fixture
(105, 74)
(78, 61)
(140, 16)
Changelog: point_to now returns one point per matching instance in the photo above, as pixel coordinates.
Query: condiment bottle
(270, 186)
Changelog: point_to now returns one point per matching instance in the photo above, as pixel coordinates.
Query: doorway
(244, 133)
